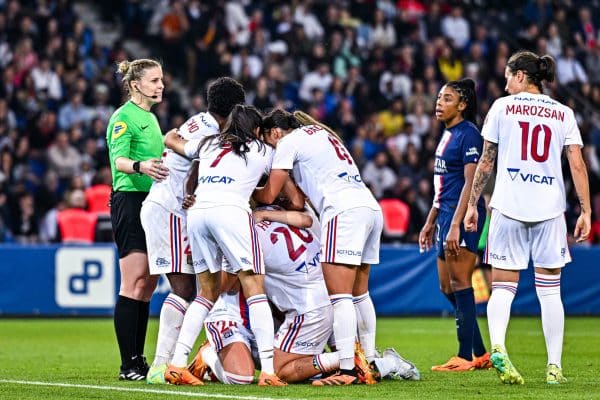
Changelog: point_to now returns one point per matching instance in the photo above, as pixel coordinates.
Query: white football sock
(211, 358)
(498, 311)
(261, 323)
(366, 321)
(327, 362)
(190, 329)
(547, 288)
(344, 328)
(385, 365)
(171, 317)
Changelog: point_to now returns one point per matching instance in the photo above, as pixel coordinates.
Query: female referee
(135, 146)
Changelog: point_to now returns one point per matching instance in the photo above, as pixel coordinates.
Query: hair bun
(469, 83)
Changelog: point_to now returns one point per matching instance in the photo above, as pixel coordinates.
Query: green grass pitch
(78, 359)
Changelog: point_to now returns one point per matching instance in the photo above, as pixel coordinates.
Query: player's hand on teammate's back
(154, 168)
(188, 201)
(583, 227)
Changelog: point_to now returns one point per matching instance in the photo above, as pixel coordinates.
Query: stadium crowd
(370, 69)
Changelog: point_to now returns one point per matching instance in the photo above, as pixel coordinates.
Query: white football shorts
(222, 333)
(305, 333)
(166, 239)
(224, 231)
(510, 243)
(352, 237)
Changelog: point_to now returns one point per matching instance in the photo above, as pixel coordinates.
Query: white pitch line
(154, 391)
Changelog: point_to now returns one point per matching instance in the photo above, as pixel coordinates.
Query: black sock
(126, 323)
(465, 322)
(142, 326)
(451, 298)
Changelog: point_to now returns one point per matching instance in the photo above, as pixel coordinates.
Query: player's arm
(190, 183)
(268, 193)
(581, 182)
(485, 168)
(294, 218)
(175, 142)
(426, 234)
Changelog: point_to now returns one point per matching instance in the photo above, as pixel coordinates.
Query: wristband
(136, 167)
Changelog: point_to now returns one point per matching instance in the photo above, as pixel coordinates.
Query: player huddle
(266, 233)
(243, 265)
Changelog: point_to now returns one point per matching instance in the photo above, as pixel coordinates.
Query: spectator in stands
(75, 223)
(457, 154)
(25, 224)
(569, 70)
(63, 157)
(456, 27)
(378, 175)
(74, 112)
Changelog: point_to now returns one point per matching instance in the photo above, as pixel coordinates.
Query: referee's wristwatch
(136, 167)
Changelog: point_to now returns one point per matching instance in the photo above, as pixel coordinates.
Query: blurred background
(371, 69)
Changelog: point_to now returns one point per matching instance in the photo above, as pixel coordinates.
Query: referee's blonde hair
(134, 70)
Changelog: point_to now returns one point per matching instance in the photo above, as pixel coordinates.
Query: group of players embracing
(272, 281)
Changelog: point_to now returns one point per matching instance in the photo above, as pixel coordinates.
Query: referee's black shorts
(125, 217)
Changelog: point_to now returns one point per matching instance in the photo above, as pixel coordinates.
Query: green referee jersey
(133, 133)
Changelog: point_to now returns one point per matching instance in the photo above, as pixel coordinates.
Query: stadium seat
(396, 216)
(76, 226)
(97, 198)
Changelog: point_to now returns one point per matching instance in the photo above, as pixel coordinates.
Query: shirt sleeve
(572, 136)
(120, 137)
(285, 154)
(490, 130)
(471, 147)
(191, 148)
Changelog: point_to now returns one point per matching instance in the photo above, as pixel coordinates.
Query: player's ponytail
(547, 68)
(536, 69)
(306, 119)
(239, 129)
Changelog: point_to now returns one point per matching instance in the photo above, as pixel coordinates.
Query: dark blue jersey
(459, 145)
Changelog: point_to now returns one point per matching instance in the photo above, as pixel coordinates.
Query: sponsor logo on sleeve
(472, 151)
(119, 128)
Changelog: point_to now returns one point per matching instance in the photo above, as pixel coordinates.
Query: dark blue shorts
(469, 240)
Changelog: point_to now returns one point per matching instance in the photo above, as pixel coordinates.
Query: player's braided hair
(466, 92)
(134, 70)
(536, 68)
(238, 131)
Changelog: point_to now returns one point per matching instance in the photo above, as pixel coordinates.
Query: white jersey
(324, 170)
(294, 279)
(225, 178)
(531, 131)
(169, 192)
